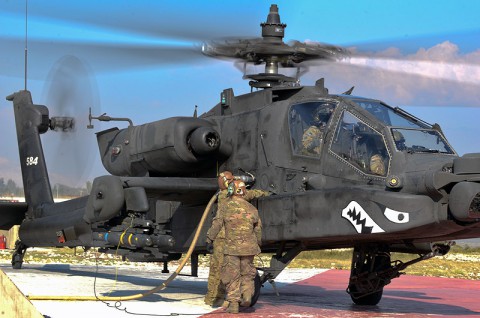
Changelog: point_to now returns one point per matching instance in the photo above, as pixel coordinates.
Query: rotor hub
(273, 30)
(272, 51)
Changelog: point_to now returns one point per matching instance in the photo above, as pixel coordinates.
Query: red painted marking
(324, 295)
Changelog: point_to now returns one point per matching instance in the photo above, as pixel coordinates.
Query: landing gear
(372, 270)
(17, 257)
(366, 284)
(277, 263)
(280, 260)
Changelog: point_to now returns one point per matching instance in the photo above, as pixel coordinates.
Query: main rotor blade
(158, 34)
(105, 57)
(187, 20)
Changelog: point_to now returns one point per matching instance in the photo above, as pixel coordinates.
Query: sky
(136, 59)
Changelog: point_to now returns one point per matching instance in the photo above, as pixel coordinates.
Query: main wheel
(364, 261)
(367, 300)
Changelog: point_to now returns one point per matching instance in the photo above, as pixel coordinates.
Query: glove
(209, 247)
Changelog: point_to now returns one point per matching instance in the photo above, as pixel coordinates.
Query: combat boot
(208, 301)
(218, 302)
(233, 308)
(246, 300)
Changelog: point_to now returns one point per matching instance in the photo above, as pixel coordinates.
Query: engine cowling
(176, 145)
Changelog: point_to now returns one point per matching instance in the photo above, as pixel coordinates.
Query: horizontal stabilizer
(12, 213)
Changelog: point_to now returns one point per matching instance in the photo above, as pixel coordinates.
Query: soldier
(369, 156)
(311, 140)
(377, 165)
(313, 136)
(216, 290)
(242, 242)
(399, 140)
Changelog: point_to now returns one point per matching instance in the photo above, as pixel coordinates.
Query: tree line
(10, 189)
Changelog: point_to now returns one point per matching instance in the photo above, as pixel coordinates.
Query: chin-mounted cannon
(177, 145)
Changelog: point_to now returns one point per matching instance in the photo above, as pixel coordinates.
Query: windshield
(389, 116)
(417, 140)
(414, 136)
(360, 146)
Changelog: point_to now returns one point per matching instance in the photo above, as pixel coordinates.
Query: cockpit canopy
(360, 134)
(409, 133)
(361, 146)
(308, 122)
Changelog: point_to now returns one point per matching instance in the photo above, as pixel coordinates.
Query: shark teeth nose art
(360, 219)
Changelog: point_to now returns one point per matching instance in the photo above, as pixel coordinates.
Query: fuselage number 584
(32, 161)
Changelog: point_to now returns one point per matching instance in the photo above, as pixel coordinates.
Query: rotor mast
(273, 32)
(271, 51)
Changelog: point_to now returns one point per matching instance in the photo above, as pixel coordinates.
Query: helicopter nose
(465, 201)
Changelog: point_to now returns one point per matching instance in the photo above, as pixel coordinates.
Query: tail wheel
(17, 261)
(18, 254)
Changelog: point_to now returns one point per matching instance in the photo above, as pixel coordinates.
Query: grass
(461, 262)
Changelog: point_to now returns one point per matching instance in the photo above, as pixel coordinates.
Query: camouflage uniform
(215, 289)
(377, 165)
(311, 140)
(242, 239)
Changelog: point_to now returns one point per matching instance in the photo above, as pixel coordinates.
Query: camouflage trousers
(215, 287)
(238, 274)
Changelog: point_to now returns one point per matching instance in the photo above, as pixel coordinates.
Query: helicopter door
(360, 146)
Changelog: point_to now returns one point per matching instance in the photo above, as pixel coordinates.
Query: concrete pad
(302, 293)
(323, 295)
(184, 296)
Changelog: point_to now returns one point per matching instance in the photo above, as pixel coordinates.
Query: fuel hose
(149, 292)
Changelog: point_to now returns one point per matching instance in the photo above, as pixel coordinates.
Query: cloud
(442, 61)
(437, 76)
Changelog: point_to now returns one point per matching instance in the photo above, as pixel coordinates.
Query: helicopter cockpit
(409, 133)
(308, 122)
(357, 141)
(360, 146)
(354, 141)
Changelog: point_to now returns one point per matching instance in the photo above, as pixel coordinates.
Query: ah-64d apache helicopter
(345, 171)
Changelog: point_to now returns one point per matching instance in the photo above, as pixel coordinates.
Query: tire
(17, 262)
(380, 262)
(369, 300)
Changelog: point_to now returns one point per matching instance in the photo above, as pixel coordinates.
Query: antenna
(26, 42)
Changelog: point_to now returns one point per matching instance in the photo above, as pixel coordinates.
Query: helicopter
(374, 177)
